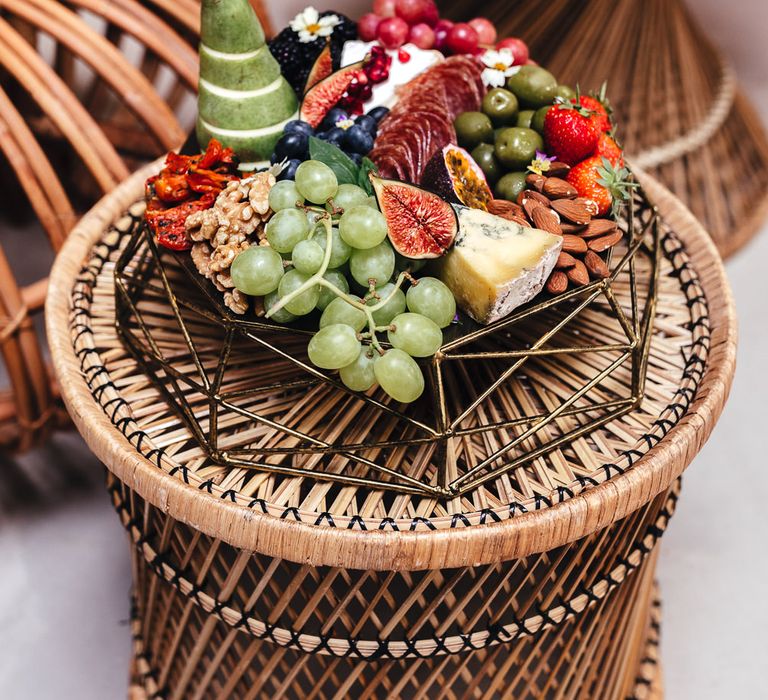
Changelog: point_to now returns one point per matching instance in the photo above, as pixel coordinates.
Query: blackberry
(296, 58)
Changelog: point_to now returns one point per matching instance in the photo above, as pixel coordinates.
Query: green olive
(533, 86)
(473, 128)
(524, 118)
(516, 147)
(511, 185)
(565, 92)
(537, 123)
(501, 106)
(484, 156)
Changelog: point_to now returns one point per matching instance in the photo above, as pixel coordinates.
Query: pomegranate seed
(403, 56)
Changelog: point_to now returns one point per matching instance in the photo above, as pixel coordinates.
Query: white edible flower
(309, 25)
(498, 67)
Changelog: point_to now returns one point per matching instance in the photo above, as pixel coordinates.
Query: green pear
(244, 101)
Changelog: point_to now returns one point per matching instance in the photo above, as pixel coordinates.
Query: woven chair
(88, 91)
(682, 116)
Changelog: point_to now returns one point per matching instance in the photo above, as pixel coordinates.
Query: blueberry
(293, 145)
(358, 140)
(368, 123)
(335, 115)
(378, 113)
(356, 158)
(299, 127)
(289, 172)
(336, 136)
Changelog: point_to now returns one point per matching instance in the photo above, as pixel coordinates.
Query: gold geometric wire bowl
(248, 394)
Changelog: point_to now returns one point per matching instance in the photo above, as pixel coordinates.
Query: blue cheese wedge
(497, 265)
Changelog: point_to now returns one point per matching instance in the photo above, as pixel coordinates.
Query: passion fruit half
(420, 223)
(454, 175)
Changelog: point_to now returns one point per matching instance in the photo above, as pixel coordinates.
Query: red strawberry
(570, 133)
(608, 148)
(599, 113)
(597, 179)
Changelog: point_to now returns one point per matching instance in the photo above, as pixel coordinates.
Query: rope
(697, 137)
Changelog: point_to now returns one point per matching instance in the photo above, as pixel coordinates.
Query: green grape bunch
(325, 239)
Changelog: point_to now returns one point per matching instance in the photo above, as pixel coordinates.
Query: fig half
(420, 223)
(322, 96)
(453, 174)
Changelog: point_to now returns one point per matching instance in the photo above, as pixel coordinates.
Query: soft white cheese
(400, 72)
(497, 265)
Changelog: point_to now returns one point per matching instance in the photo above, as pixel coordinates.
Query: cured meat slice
(421, 122)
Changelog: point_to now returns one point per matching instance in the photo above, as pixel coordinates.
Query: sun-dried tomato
(186, 184)
(168, 223)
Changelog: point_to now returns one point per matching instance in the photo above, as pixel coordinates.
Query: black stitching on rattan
(355, 520)
(672, 247)
(495, 632)
(422, 521)
(388, 522)
(456, 517)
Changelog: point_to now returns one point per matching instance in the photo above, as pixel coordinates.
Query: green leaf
(363, 181)
(342, 165)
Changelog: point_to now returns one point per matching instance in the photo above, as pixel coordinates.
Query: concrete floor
(65, 575)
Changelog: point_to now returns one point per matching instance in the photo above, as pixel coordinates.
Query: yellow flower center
(313, 28)
(501, 66)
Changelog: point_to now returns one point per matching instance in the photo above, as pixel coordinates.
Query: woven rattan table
(254, 585)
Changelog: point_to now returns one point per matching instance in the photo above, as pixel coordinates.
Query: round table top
(554, 498)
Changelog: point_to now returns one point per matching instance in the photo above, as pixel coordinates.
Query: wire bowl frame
(487, 384)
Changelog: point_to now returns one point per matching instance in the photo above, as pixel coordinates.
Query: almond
(556, 188)
(530, 205)
(604, 242)
(573, 210)
(535, 180)
(505, 208)
(532, 194)
(596, 265)
(521, 220)
(568, 227)
(558, 169)
(546, 220)
(590, 204)
(599, 227)
(557, 282)
(574, 244)
(564, 261)
(578, 274)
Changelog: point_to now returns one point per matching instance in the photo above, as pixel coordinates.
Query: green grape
(348, 196)
(396, 305)
(415, 334)
(373, 203)
(316, 181)
(257, 271)
(334, 346)
(281, 315)
(314, 218)
(286, 228)
(306, 301)
(359, 376)
(431, 298)
(340, 251)
(399, 375)
(362, 227)
(308, 257)
(410, 264)
(340, 311)
(284, 195)
(337, 279)
(376, 263)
